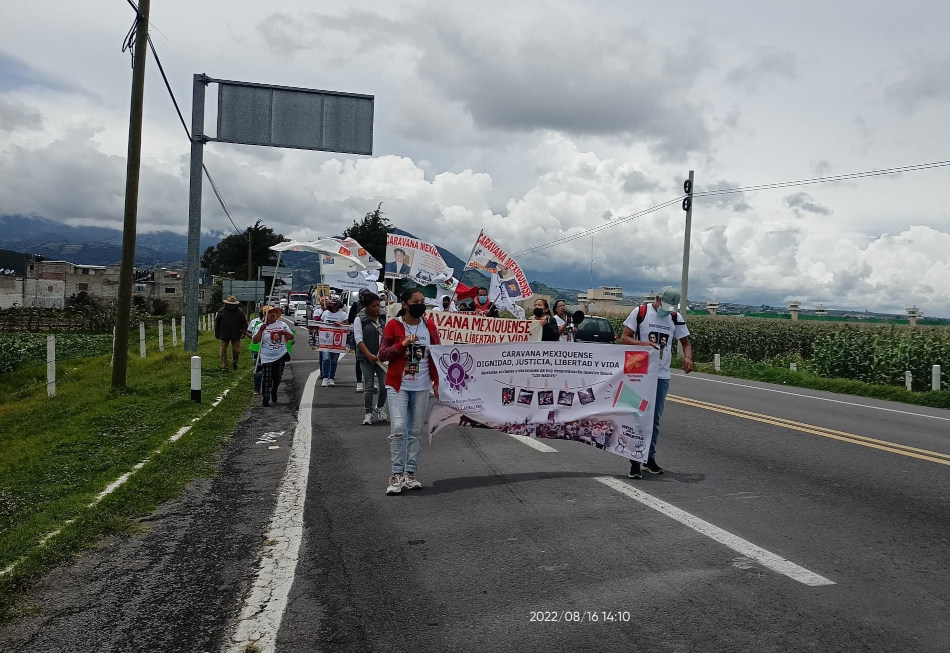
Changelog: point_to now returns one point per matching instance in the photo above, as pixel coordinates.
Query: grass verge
(57, 455)
(782, 376)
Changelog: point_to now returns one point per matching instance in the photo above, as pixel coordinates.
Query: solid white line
(765, 558)
(264, 608)
(796, 394)
(533, 443)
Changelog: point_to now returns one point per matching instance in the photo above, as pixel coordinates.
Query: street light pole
(688, 207)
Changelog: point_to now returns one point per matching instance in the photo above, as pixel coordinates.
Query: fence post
(51, 366)
(161, 336)
(793, 367)
(182, 329)
(174, 333)
(908, 380)
(935, 378)
(716, 362)
(142, 339)
(112, 359)
(196, 379)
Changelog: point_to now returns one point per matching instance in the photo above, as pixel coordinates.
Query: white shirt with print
(660, 330)
(338, 316)
(273, 342)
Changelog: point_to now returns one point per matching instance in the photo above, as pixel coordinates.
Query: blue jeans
(258, 372)
(407, 416)
(328, 361)
(662, 387)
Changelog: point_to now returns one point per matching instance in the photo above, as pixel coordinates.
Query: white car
(299, 310)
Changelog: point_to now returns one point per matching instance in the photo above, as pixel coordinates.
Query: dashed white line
(533, 443)
(744, 547)
(264, 608)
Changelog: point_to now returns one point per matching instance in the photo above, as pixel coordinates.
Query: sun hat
(669, 298)
(231, 300)
(267, 309)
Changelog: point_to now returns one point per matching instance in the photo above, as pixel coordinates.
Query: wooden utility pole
(120, 351)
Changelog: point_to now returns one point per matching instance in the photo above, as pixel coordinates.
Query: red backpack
(642, 313)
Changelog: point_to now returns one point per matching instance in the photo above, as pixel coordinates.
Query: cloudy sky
(535, 121)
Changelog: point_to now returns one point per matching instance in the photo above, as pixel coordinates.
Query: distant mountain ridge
(94, 245)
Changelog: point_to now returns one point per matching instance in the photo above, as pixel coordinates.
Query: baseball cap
(669, 298)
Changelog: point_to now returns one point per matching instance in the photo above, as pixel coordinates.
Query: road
(786, 520)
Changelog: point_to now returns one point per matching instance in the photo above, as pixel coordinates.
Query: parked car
(595, 329)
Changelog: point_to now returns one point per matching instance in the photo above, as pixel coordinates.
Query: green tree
(230, 255)
(371, 232)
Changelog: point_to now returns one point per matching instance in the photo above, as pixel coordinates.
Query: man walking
(655, 325)
(230, 325)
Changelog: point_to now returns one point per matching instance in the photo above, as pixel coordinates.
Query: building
(605, 300)
(48, 284)
(11, 291)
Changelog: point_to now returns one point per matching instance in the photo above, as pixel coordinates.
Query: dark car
(594, 329)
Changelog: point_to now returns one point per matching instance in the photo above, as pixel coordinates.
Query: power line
(603, 227)
(821, 180)
(171, 93)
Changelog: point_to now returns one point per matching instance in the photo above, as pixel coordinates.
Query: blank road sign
(280, 116)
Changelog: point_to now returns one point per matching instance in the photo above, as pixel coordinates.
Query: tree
(230, 255)
(371, 232)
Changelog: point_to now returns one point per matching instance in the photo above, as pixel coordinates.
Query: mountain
(94, 245)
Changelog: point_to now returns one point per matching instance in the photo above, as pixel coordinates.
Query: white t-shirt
(273, 342)
(660, 330)
(415, 376)
(339, 316)
(564, 337)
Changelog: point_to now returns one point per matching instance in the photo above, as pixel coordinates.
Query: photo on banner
(589, 393)
(411, 258)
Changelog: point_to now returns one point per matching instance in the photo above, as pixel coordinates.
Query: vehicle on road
(299, 311)
(595, 329)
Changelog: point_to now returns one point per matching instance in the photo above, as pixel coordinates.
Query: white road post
(908, 380)
(51, 366)
(793, 367)
(183, 328)
(196, 379)
(174, 333)
(716, 362)
(142, 339)
(935, 378)
(161, 336)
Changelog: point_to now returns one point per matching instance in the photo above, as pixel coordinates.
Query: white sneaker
(368, 418)
(325, 383)
(410, 482)
(395, 484)
(331, 382)
(381, 415)
(359, 387)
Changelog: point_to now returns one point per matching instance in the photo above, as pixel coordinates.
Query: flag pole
(470, 255)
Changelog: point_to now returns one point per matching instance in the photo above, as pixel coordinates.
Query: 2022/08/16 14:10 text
(580, 616)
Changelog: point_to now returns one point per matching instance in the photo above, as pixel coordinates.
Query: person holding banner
(368, 328)
(411, 374)
(483, 305)
(565, 334)
(660, 322)
(328, 359)
(273, 336)
(542, 313)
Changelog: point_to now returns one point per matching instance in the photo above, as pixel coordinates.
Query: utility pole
(193, 264)
(120, 351)
(688, 207)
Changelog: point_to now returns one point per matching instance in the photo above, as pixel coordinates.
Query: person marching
(542, 314)
(563, 321)
(367, 331)
(328, 359)
(273, 336)
(661, 323)
(411, 375)
(255, 348)
(229, 327)
(483, 305)
(355, 309)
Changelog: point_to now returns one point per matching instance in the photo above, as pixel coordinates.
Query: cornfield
(874, 353)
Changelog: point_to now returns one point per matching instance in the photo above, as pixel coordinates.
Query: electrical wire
(603, 227)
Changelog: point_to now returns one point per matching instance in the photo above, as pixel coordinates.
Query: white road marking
(797, 394)
(270, 437)
(743, 547)
(264, 608)
(533, 443)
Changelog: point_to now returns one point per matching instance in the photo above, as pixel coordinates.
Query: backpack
(642, 313)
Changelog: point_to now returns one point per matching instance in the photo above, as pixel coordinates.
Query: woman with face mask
(563, 321)
(548, 325)
(328, 360)
(411, 374)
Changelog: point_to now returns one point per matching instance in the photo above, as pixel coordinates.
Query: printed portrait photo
(565, 398)
(545, 397)
(507, 396)
(586, 396)
(525, 397)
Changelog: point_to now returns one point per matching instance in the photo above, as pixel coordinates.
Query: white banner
(332, 337)
(491, 258)
(410, 258)
(352, 280)
(598, 394)
(471, 329)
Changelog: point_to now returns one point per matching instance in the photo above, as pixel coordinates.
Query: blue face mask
(662, 312)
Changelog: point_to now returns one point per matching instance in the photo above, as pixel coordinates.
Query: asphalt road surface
(786, 520)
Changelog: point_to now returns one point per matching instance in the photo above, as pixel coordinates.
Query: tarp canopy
(344, 257)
